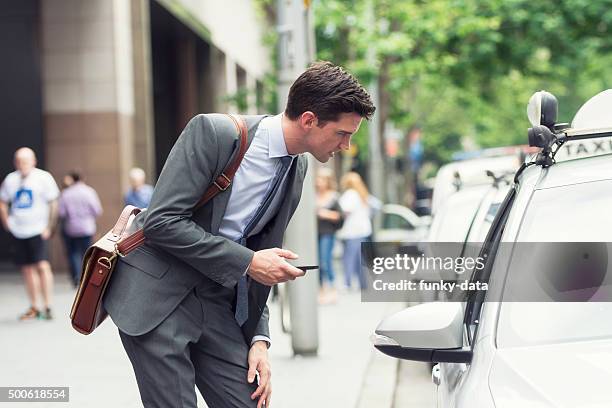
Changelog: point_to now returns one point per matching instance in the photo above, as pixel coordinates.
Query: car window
(491, 212)
(395, 221)
(573, 227)
(578, 212)
(533, 323)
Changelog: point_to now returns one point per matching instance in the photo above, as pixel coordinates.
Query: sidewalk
(347, 372)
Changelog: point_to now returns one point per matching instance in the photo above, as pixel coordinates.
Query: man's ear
(308, 120)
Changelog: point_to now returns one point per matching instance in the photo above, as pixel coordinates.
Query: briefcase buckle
(223, 188)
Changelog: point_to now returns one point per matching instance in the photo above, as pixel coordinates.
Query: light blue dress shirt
(252, 180)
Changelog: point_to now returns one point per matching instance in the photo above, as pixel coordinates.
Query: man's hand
(269, 266)
(258, 363)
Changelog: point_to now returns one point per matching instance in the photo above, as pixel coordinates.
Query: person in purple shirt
(140, 193)
(79, 206)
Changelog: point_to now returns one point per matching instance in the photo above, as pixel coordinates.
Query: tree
(468, 67)
(465, 69)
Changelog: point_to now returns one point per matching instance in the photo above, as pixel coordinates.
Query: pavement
(414, 388)
(347, 371)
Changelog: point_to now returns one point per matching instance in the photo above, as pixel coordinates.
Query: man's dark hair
(75, 175)
(327, 90)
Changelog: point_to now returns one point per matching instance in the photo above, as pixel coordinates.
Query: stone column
(88, 96)
(144, 133)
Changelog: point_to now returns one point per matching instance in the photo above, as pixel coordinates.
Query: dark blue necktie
(242, 296)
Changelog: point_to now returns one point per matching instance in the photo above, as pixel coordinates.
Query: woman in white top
(357, 226)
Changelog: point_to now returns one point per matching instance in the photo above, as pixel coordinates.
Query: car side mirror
(431, 332)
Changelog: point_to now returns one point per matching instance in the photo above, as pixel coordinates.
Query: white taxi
(506, 354)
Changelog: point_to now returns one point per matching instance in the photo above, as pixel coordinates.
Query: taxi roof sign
(592, 119)
(595, 116)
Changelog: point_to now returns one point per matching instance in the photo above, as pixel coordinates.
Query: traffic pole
(376, 165)
(296, 51)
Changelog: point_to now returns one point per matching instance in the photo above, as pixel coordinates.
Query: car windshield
(564, 221)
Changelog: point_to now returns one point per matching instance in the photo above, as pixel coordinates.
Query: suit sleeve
(263, 328)
(168, 223)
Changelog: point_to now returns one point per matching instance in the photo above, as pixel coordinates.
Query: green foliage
(266, 11)
(239, 99)
(360, 139)
(466, 68)
(462, 69)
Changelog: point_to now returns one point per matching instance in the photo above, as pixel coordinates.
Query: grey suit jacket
(182, 247)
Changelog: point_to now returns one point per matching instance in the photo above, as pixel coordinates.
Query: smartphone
(307, 267)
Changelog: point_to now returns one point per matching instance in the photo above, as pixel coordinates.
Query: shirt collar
(276, 138)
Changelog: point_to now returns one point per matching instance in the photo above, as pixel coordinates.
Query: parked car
(401, 224)
(467, 214)
(495, 353)
(398, 230)
(463, 221)
(456, 176)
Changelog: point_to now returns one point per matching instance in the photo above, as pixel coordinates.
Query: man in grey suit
(190, 304)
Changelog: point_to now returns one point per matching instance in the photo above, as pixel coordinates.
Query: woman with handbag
(329, 220)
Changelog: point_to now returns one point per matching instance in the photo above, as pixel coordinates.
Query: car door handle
(435, 374)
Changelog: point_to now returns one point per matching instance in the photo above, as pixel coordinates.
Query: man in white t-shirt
(28, 210)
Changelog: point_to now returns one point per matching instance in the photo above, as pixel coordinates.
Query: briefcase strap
(221, 183)
(224, 180)
(122, 222)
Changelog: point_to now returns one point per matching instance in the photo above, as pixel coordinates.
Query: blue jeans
(75, 249)
(351, 260)
(326, 270)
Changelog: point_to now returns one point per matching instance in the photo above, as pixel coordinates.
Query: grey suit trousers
(199, 342)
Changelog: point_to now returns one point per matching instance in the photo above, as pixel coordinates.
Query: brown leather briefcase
(99, 261)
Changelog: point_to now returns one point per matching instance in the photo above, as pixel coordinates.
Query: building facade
(105, 85)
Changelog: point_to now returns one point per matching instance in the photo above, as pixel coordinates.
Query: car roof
(581, 170)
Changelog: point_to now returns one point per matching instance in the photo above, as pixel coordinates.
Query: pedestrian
(357, 226)
(190, 304)
(28, 211)
(139, 194)
(79, 206)
(329, 220)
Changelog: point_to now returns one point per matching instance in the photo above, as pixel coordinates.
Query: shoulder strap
(224, 180)
(220, 184)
